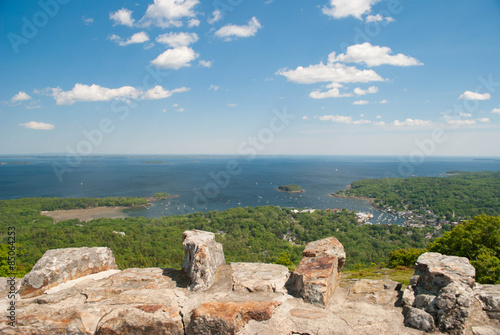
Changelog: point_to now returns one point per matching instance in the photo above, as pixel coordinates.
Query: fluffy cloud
(159, 92)
(344, 8)
(333, 93)
(335, 118)
(232, 105)
(168, 13)
(378, 18)
(468, 95)
(140, 37)
(175, 58)
(412, 123)
(360, 102)
(216, 16)
(193, 23)
(37, 125)
(461, 122)
(205, 63)
(331, 72)
(94, 92)
(231, 31)
(373, 55)
(384, 101)
(213, 87)
(177, 39)
(496, 110)
(123, 17)
(20, 96)
(87, 20)
(370, 90)
(484, 119)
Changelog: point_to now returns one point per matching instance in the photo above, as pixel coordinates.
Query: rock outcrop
(318, 273)
(58, 266)
(159, 301)
(259, 277)
(440, 291)
(228, 318)
(202, 258)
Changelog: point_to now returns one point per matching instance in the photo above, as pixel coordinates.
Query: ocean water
(205, 183)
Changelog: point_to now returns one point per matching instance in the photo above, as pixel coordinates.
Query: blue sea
(205, 183)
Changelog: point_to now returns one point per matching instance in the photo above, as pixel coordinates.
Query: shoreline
(153, 199)
(291, 192)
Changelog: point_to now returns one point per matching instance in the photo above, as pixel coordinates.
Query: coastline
(291, 192)
(153, 199)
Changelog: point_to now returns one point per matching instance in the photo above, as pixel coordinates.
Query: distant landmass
(14, 163)
(153, 162)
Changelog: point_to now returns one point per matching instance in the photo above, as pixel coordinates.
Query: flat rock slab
(229, 317)
(58, 266)
(259, 277)
(202, 258)
(318, 273)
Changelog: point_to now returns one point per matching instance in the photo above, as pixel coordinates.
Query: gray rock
(259, 277)
(202, 258)
(419, 319)
(58, 266)
(318, 273)
(442, 288)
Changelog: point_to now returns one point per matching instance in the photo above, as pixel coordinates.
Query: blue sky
(328, 77)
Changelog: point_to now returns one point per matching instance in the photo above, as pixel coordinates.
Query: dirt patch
(86, 214)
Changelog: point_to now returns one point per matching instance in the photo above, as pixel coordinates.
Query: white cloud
(378, 18)
(373, 55)
(362, 122)
(37, 125)
(344, 8)
(177, 39)
(205, 63)
(461, 122)
(231, 31)
(496, 110)
(335, 118)
(412, 123)
(168, 13)
(87, 20)
(164, 110)
(94, 92)
(484, 119)
(123, 17)
(384, 101)
(175, 58)
(333, 93)
(193, 23)
(360, 102)
(175, 105)
(20, 96)
(305, 117)
(468, 95)
(213, 87)
(462, 114)
(332, 72)
(232, 105)
(180, 110)
(370, 90)
(139, 37)
(158, 92)
(216, 16)
(378, 116)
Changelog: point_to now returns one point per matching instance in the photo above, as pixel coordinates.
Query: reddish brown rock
(58, 266)
(229, 317)
(318, 273)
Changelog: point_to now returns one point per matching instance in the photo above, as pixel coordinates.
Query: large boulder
(202, 258)
(489, 296)
(318, 273)
(58, 266)
(259, 277)
(441, 287)
(227, 318)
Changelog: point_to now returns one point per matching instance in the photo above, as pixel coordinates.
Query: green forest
(261, 234)
(460, 195)
(292, 188)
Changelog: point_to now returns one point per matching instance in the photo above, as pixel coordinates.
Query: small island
(290, 188)
(160, 196)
